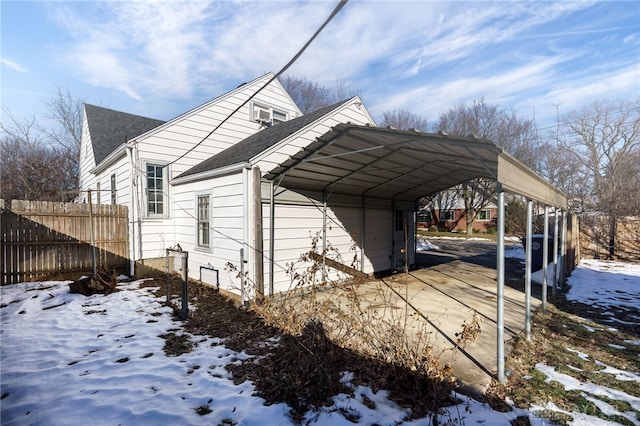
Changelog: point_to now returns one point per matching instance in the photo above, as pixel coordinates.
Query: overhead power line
(337, 9)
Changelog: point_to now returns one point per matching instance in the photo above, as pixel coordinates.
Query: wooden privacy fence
(44, 240)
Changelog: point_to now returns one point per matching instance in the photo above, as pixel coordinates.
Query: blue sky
(160, 59)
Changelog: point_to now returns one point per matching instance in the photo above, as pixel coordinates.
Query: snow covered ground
(69, 359)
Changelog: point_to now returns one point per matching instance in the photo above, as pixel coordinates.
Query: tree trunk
(612, 236)
(470, 217)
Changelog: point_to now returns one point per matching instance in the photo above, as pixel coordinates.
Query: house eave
(232, 168)
(115, 155)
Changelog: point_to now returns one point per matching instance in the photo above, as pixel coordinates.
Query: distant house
(264, 187)
(454, 219)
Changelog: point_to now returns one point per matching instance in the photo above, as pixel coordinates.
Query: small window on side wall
(204, 207)
(113, 189)
(484, 214)
(267, 115)
(155, 190)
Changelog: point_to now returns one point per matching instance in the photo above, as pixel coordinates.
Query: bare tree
(309, 96)
(404, 120)
(32, 170)
(38, 161)
(67, 112)
(603, 143)
(516, 136)
(343, 90)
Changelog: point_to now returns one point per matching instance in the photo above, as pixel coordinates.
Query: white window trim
(165, 189)
(451, 212)
(488, 219)
(268, 109)
(197, 245)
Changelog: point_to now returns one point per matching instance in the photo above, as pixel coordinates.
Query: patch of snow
(632, 342)
(609, 410)
(571, 383)
(613, 345)
(581, 355)
(622, 375)
(513, 251)
(579, 419)
(604, 283)
(589, 328)
(425, 245)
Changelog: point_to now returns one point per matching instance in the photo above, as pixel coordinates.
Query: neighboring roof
(109, 129)
(405, 165)
(255, 144)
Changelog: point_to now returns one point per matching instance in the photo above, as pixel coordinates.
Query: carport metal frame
(385, 163)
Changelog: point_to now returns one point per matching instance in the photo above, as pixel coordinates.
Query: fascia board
(115, 155)
(232, 168)
(276, 147)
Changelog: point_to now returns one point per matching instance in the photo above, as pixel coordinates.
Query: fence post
(184, 266)
(92, 236)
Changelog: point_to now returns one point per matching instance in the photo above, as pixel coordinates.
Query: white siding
(175, 138)
(123, 188)
(296, 225)
(226, 226)
(87, 160)
(167, 143)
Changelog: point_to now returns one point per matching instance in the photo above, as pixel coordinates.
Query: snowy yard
(70, 359)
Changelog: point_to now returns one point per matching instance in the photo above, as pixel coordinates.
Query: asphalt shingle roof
(256, 143)
(109, 129)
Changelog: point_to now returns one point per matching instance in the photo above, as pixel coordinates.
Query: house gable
(209, 129)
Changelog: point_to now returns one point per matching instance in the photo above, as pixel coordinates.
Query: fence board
(42, 240)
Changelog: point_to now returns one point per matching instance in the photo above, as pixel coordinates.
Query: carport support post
(563, 249)
(555, 253)
(527, 271)
(500, 292)
(272, 223)
(324, 237)
(545, 257)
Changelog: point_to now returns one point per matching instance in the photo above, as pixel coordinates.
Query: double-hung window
(484, 214)
(447, 216)
(155, 190)
(113, 188)
(204, 206)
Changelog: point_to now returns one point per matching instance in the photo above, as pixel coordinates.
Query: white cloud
(420, 56)
(12, 65)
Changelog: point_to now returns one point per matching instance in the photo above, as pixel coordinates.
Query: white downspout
(132, 218)
(246, 257)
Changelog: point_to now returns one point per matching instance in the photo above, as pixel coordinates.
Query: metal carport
(396, 165)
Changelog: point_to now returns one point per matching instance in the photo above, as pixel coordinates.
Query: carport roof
(405, 165)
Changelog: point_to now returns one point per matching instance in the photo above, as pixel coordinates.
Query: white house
(254, 190)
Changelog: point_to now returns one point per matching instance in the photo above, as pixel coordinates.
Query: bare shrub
(374, 320)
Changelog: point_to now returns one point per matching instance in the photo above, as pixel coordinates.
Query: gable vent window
(267, 116)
